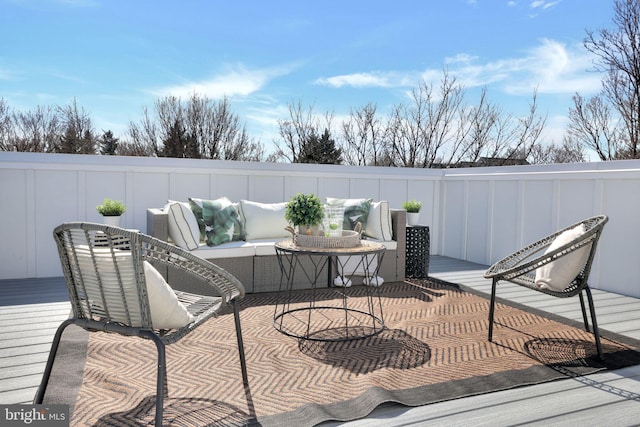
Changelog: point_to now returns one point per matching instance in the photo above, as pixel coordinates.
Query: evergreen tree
(108, 144)
(174, 143)
(320, 150)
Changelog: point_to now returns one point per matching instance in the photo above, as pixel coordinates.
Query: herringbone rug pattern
(434, 348)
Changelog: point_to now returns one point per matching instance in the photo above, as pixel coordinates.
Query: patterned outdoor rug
(434, 348)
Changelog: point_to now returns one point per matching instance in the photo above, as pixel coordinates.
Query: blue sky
(116, 57)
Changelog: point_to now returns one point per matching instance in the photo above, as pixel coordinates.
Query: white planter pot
(113, 221)
(413, 218)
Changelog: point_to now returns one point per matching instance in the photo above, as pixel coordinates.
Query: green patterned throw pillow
(218, 220)
(355, 211)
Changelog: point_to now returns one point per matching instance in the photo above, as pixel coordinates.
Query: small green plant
(304, 210)
(110, 207)
(412, 206)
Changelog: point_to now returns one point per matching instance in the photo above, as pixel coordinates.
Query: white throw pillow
(379, 222)
(183, 225)
(263, 220)
(558, 274)
(167, 312)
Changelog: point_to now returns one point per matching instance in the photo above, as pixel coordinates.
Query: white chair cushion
(558, 274)
(263, 220)
(166, 311)
(183, 225)
(379, 222)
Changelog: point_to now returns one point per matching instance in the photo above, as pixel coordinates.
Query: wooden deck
(31, 310)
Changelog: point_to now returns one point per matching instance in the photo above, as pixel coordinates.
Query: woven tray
(349, 239)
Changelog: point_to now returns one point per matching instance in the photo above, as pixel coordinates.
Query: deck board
(31, 310)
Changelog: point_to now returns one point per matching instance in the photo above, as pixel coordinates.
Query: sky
(117, 57)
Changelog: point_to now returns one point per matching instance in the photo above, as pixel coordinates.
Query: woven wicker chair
(104, 268)
(520, 268)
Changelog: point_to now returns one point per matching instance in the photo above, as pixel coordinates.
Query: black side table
(417, 261)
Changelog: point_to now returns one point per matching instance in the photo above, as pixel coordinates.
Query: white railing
(478, 214)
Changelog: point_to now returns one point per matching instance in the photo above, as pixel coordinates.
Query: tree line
(436, 127)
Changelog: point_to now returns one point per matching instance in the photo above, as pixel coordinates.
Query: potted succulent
(413, 211)
(306, 212)
(111, 210)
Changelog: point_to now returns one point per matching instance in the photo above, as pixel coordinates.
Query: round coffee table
(339, 305)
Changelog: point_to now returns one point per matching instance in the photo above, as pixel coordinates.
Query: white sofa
(253, 260)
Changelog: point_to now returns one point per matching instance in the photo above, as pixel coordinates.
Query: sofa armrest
(399, 228)
(158, 224)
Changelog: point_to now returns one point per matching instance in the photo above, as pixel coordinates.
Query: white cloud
(460, 58)
(358, 80)
(543, 4)
(551, 67)
(236, 81)
(555, 68)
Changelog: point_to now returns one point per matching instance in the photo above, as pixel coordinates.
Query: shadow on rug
(434, 348)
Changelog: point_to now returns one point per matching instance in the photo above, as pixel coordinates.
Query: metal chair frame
(78, 239)
(520, 267)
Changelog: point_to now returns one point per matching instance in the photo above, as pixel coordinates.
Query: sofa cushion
(218, 219)
(225, 250)
(183, 225)
(263, 220)
(265, 247)
(559, 274)
(390, 245)
(379, 222)
(355, 210)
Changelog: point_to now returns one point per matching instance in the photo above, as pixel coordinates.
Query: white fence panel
(479, 214)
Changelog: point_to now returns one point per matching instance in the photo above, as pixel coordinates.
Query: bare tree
(295, 132)
(363, 137)
(6, 126)
(591, 124)
(144, 135)
(570, 151)
(479, 128)
(527, 131)
(618, 55)
(196, 128)
(438, 128)
(134, 148)
(419, 133)
(78, 134)
(222, 135)
(35, 131)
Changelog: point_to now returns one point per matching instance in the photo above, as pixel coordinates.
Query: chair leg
(42, 388)
(162, 375)
(594, 322)
(243, 361)
(492, 307)
(584, 313)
